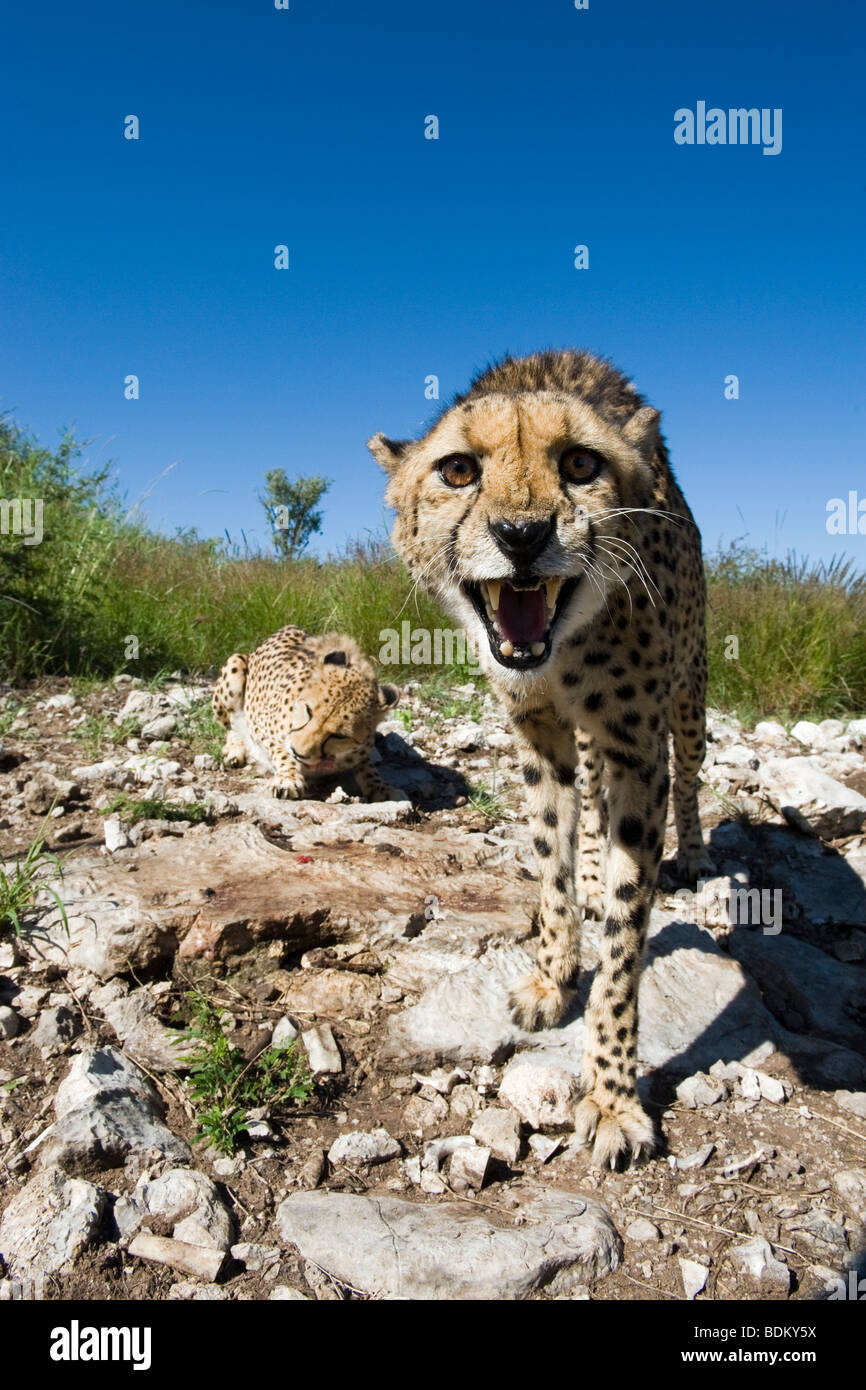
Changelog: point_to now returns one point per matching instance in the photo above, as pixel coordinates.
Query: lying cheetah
(303, 708)
(542, 511)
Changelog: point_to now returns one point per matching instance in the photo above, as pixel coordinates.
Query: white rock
(694, 1277)
(94, 772)
(191, 1202)
(698, 1091)
(468, 1168)
(643, 1229)
(205, 762)
(465, 737)
(544, 1095)
(804, 731)
(439, 1149)
(771, 1088)
(358, 1148)
(852, 1101)
(756, 1258)
(256, 1257)
(107, 1109)
(282, 1293)
(115, 835)
(160, 728)
(811, 800)
(66, 701)
(850, 1183)
(736, 755)
(771, 731)
(857, 727)
(448, 1251)
(544, 1146)
(498, 1130)
(321, 1049)
(49, 1223)
(284, 1034)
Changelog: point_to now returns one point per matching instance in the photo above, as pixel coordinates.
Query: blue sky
(411, 257)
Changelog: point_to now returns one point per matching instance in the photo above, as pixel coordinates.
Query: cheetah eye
(459, 470)
(579, 466)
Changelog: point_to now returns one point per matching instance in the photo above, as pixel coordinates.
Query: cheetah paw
(691, 867)
(536, 1001)
(618, 1124)
(591, 903)
(286, 791)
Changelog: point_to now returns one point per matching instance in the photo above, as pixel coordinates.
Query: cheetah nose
(522, 540)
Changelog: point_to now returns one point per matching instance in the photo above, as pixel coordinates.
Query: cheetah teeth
(537, 648)
(552, 588)
(506, 648)
(494, 589)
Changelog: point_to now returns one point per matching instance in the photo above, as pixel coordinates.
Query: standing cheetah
(303, 708)
(542, 511)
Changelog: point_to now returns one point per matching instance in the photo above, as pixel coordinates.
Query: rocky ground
(434, 1157)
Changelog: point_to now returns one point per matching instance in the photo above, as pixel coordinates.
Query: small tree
(291, 509)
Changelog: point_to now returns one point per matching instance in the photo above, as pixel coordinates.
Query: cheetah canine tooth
(552, 588)
(506, 648)
(494, 588)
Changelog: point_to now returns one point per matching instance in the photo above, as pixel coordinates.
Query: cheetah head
(335, 714)
(510, 509)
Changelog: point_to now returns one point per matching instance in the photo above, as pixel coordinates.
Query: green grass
(202, 732)
(20, 882)
(134, 809)
(224, 1085)
(101, 579)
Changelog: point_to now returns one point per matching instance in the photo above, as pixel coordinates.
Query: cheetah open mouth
(520, 622)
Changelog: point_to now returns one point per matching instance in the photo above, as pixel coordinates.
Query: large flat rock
(406, 1250)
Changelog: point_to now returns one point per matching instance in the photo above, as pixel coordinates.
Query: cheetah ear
(643, 428)
(337, 658)
(388, 452)
(388, 696)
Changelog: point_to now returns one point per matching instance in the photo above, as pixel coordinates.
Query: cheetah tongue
(326, 765)
(522, 615)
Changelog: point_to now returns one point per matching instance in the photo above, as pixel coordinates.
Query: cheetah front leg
(592, 834)
(371, 785)
(548, 755)
(610, 1112)
(288, 781)
(228, 699)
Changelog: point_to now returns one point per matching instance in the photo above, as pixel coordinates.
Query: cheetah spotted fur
(303, 708)
(542, 511)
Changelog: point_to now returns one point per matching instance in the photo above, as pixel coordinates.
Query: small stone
(205, 762)
(56, 1029)
(694, 1277)
(10, 1023)
(422, 1114)
(469, 1168)
(321, 1049)
(48, 1224)
(256, 1258)
(466, 737)
(465, 1102)
(115, 835)
(852, 1101)
(697, 1158)
(282, 1293)
(544, 1095)
(756, 1259)
(499, 1130)
(850, 1183)
(160, 728)
(284, 1034)
(312, 1170)
(544, 1146)
(642, 1229)
(699, 1091)
(358, 1148)
(442, 1080)
(771, 1088)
